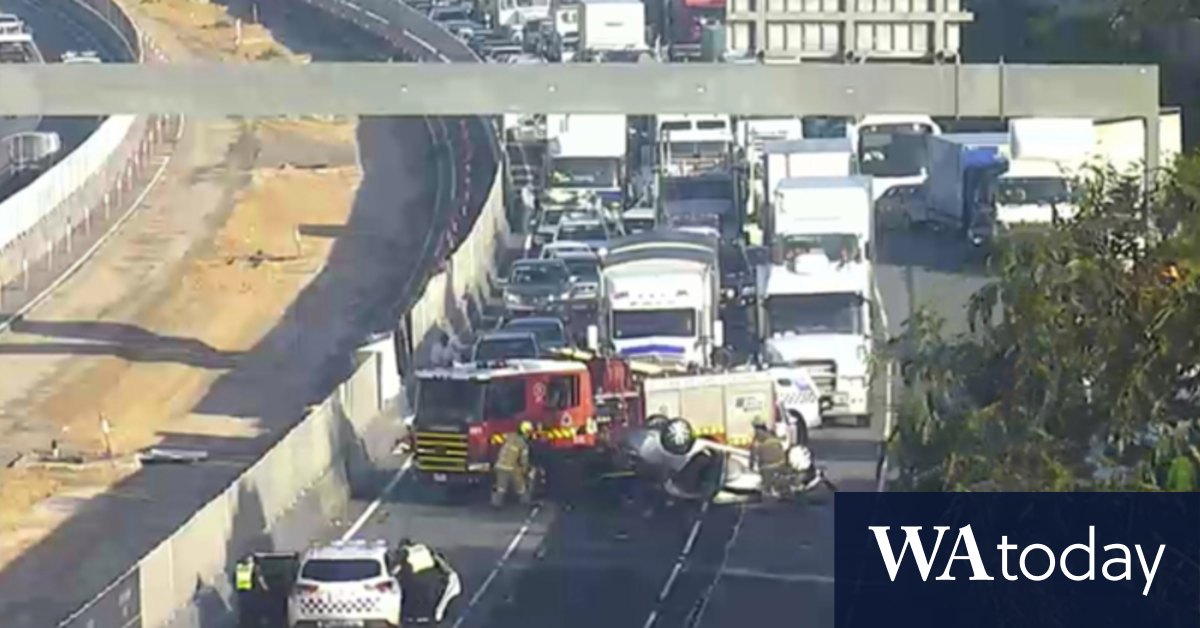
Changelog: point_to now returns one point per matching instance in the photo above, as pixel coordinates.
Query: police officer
(251, 592)
(512, 466)
(769, 456)
(420, 580)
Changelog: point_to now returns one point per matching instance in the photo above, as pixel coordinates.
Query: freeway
(610, 560)
(59, 27)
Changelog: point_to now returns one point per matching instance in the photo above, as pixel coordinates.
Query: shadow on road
(125, 341)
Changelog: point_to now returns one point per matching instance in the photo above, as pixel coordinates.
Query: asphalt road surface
(58, 27)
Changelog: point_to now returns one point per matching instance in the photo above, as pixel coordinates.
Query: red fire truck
(577, 408)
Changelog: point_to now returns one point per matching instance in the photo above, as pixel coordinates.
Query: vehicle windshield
(837, 247)
(645, 323)
(492, 349)
(585, 172)
(1032, 191)
(638, 225)
(893, 151)
(698, 150)
(691, 189)
(583, 269)
(818, 127)
(548, 334)
(582, 232)
(537, 274)
(551, 217)
(448, 402)
(450, 14)
(340, 570)
(815, 314)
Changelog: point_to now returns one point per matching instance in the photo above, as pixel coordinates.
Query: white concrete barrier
(83, 194)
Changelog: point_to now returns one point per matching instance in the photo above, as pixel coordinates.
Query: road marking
(366, 514)
(508, 552)
(737, 528)
(680, 561)
(737, 572)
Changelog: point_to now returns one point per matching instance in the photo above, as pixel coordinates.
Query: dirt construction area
(201, 323)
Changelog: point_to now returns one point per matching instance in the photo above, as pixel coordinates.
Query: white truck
(587, 157)
(661, 299)
(892, 149)
(694, 143)
(612, 25)
(791, 159)
(984, 184)
(815, 292)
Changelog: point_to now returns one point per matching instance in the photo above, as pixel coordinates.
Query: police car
(346, 583)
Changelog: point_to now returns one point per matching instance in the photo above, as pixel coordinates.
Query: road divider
(49, 225)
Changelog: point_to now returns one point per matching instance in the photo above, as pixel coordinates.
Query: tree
(1081, 369)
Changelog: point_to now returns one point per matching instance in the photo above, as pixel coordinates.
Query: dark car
(585, 279)
(537, 286)
(550, 332)
(506, 345)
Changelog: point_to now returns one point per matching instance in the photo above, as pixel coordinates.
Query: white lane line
(737, 572)
(508, 552)
(375, 16)
(87, 255)
(366, 514)
(737, 528)
(666, 590)
(680, 561)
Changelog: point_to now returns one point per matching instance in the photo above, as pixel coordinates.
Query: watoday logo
(1035, 562)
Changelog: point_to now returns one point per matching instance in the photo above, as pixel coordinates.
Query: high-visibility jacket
(513, 454)
(767, 452)
(419, 558)
(245, 576)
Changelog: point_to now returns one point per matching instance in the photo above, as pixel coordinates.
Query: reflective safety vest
(419, 558)
(245, 576)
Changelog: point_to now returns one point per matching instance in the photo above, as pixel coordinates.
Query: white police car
(345, 584)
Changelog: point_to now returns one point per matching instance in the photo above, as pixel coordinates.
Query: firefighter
(512, 466)
(421, 582)
(769, 456)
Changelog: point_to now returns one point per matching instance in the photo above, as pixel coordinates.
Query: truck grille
(442, 452)
(824, 375)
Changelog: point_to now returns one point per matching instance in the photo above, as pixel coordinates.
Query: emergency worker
(421, 582)
(512, 466)
(769, 455)
(252, 593)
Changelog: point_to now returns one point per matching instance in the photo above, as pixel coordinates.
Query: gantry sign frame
(272, 89)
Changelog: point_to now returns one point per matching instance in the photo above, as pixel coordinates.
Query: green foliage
(1081, 369)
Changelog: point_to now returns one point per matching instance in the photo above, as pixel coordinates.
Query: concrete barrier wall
(49, 224)
(185, 580)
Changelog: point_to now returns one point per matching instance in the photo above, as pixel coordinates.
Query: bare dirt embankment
(191, 284)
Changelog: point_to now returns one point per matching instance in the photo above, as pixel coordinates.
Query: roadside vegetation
(1081, 366)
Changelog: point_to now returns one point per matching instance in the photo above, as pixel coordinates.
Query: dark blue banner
(1017, 560)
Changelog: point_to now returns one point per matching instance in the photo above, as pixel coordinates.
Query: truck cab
(463, 412)
(661, 299)
(587, 156)
(815, 292)
(892, 148)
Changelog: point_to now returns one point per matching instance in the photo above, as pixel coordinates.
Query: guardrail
(184, 580)
(47, 226)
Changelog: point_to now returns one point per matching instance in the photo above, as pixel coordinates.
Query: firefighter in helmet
(769, 455)
(512, 466)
